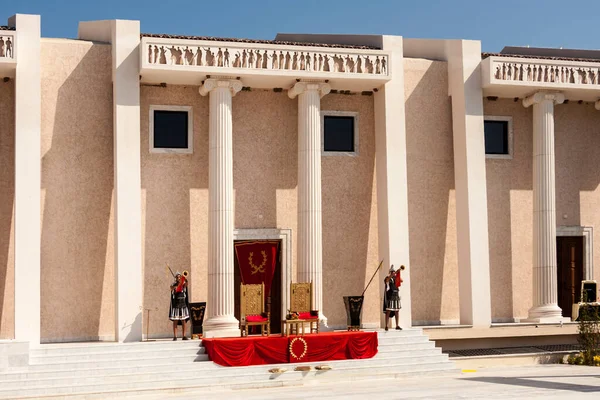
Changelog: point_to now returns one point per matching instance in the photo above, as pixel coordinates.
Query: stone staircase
(109, 370)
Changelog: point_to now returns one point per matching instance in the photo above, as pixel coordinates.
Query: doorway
(272, 302)
(569, 254)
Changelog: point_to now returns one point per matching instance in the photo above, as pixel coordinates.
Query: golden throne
(252, 309)
(301, 304)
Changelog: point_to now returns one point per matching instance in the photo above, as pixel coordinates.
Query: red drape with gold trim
(257, 260)
(258, 350)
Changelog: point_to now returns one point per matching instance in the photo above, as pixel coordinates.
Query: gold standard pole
(380, 264)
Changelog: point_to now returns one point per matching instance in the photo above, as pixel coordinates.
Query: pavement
(527, 382)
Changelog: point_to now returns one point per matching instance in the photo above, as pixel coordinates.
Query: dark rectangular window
(170, 129)
(338, 133)
(496, 137)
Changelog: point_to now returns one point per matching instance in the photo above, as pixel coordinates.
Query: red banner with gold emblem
(259, 350)
(257, 260)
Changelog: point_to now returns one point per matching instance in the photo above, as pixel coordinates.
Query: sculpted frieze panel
(531, 72)
(266, 59)
(6, 45)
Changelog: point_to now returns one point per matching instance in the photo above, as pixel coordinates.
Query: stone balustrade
(231, 56)
(7, 44)
(545, 71)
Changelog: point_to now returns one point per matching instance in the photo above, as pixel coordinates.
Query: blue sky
(497, 23)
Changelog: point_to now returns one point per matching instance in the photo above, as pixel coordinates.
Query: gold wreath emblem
(298, 357)
(258, 268)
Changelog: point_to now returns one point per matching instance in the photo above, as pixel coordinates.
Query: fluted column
(220, 306)
(545, 292)
(310, 242)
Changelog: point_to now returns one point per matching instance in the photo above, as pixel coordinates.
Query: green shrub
(589, 335)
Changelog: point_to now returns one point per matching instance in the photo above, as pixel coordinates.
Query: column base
(548, 313)
(222, 326)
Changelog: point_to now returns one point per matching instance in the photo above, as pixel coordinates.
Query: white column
(129, 279)
(310, 231)
(27, 178)
(220, 306)
(545, 292)
(392, 187)
(464, 80)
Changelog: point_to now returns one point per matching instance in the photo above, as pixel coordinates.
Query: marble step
(115, 353)
(195, 368)
(350, 371)
(61, 363)
(196, 376)
(83, 348)
(110, 347)
(205, 392)
(162, 359)
(92, 355)
(402, 339)
(416, 342)
(402, 333)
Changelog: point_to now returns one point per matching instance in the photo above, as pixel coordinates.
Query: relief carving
(6, 46)
(265, 59)
(510, 71)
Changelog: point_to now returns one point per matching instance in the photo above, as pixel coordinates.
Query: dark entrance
(569, 254)
(273, 301)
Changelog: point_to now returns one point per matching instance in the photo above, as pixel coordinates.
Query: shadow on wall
(265, 148)
(510, 186)
(77, 184)
(501, 263)
(347, 194)
(7, 195)
(432, 226)
(577, 139)
(167, 181)
(502, 176)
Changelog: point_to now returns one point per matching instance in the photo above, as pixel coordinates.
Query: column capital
(597, 105)
(234, 85)
(301, 87)
(555, 97)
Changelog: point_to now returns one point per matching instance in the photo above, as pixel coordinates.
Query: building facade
(476, 171)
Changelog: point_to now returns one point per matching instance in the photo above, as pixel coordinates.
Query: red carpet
(237, 352)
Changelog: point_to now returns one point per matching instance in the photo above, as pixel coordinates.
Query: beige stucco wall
(175, 204)
(510, 208)
(77, 292)
(7, 194)
(431, 196)
(350, 248)
(174, 207)
(510, 196)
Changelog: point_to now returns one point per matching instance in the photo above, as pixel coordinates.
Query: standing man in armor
(179, 312)
(391, 297)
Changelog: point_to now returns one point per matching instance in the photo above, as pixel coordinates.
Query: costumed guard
(179, 312)
(391, 297)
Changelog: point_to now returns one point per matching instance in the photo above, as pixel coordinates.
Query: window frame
(332, 113)
(190, 132)
(508, 119)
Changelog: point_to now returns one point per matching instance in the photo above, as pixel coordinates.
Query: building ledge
(510, 77)
(514, 330)
(182, 61)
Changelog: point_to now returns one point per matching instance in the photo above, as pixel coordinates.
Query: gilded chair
(301, 304)
(252, 309)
